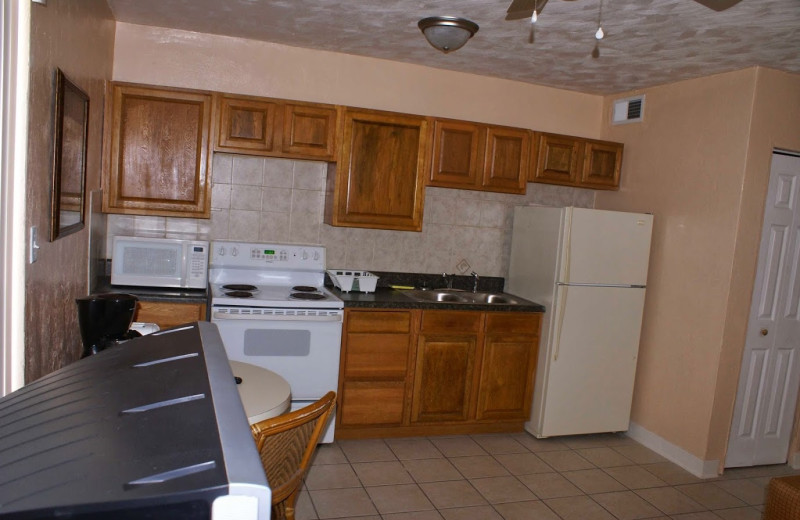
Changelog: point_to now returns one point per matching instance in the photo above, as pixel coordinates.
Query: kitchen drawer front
(168, 314)
(376, 356)
(398, 322)
(372, 402)
(460, 322)
(512, 323)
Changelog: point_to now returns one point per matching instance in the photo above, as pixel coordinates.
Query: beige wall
(171, 57)
(78, 38)
(700, 163)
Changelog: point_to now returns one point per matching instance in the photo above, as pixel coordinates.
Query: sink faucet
(475, 279)
(448, 279)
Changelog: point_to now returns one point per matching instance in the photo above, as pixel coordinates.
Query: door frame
(14, 80)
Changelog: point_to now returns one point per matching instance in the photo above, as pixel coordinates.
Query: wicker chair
(286, 444)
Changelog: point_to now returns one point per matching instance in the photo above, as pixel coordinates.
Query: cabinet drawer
(512, 323)
(382, 321)
(372, 402)
(460, 322)
(372, 356)
(167, 314)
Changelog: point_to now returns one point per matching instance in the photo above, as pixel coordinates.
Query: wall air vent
(628, 110)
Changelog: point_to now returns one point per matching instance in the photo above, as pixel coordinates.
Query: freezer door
(592, 353)
(605, 247)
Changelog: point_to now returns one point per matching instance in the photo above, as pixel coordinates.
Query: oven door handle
(268, 317)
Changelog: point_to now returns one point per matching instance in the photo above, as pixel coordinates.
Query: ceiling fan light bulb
(599, 34)
(534, 16)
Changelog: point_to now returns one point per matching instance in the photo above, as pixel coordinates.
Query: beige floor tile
(669, 500)
(413, 448)
(523, 463)
(639, 454)
(402, 498)
(588, 441)
(744, 489)
(711, 495)
(457, 493)
(304, 509)
(536, 445)
(457, 446)
(592, 481)
(328, 454)
(479, 466)
(499, 443)
(370, 450)
(416, 515)
(526, 511)
(635, 477)
(578, 508)
(342, 503)
(566, 460)
(382, 473)
(432, 470)
(498, 490)
(331, 476)
(604, 457)
(702, 515)
(775, 470)
(739, 513)
(471, 513)
(626, 505)
(549, 485)
(672, 474)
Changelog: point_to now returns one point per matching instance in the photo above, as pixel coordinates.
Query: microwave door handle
(260, 317)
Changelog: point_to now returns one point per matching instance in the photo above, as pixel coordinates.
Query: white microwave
(159, 262)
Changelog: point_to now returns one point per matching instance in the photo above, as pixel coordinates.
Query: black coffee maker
(105, 320)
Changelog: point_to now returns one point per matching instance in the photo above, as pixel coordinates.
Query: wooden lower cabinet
(169, 314)
(428, 372)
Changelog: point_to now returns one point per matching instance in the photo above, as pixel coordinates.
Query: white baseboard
(698, 467)
(794, 460)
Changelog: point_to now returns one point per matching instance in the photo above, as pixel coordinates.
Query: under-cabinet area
(421, 372)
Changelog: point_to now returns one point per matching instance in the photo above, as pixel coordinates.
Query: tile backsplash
(260, 199)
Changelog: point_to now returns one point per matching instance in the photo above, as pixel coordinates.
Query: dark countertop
(386, 298)
(155, 294)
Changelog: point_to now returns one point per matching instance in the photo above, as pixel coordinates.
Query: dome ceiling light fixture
(447, 33)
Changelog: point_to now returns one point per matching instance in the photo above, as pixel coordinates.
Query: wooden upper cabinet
(602, 163)
(246, 124)
(275, 128)
(379, 178)
(158, 151)
(479, 157)
(573, 161)
(505, 164)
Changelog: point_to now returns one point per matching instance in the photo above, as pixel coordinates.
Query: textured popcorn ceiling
(647, 42)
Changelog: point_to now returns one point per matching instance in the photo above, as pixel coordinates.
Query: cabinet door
(559, 159)
(246, 124)
(445, 366)
(169, 314)
(602, 162)
(505, 165)
(375, 363)
(159, 152)
(508, 366)
(380, 176)
(456, 160)
(309, 131)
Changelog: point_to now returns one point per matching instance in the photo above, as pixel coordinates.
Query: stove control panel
(279, 256)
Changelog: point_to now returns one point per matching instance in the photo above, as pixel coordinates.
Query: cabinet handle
(764, 332)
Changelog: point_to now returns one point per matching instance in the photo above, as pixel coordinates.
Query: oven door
(299, 345)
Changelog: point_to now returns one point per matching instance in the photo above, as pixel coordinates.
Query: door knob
(764, 332)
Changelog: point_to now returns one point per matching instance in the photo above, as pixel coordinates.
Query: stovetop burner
(239, 294)
(304, 288)
(307, 296)
(240, 287)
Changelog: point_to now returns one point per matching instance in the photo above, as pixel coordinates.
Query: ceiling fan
(524, 8)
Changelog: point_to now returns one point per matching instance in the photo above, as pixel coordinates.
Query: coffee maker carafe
(105, 320)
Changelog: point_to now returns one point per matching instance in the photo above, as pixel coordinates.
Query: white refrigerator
(589, 269)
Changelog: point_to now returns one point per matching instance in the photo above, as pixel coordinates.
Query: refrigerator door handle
(562, 304)
(620, 285)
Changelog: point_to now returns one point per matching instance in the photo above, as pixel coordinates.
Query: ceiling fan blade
(520, 9)
(718, 5)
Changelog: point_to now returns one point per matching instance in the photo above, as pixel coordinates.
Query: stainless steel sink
(458, 296)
